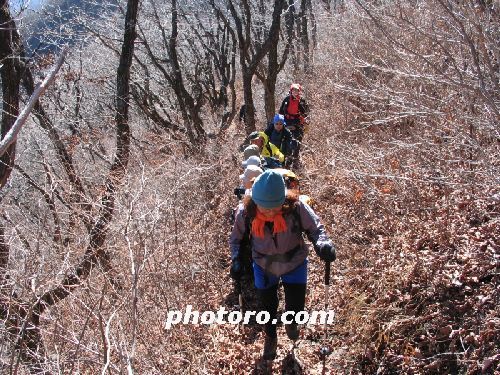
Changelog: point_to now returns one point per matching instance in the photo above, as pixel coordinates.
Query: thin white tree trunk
(11, 136)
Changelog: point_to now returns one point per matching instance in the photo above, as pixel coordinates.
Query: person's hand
(236, 269)
(326, 251)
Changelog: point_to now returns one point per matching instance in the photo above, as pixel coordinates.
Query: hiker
(251, 150)
(295, 110)
(267, 150)
(247, 178)
(279, 135)
(275, 220)
(245, 253)
(252, 160)
(292, 184)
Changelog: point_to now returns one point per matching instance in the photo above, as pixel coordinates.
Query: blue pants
(296, 276)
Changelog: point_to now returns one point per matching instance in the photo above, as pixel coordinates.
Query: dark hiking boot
(270, 345)
(292, 331)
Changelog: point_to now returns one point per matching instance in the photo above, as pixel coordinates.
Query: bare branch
(11, 136)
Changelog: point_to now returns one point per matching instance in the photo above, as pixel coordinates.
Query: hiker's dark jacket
(303, 109)
(280, 243)
(282, 139)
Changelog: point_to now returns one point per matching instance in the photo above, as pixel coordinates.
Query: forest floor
(414, 291)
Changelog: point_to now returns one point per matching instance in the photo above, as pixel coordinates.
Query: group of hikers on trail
(267, 241)
(282, 137)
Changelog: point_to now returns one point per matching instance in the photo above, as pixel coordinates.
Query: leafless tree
(251, 50)
(276, 60)
(421, 81)
(219, 44)
(186, 71)
(22, 317)
(302, 30)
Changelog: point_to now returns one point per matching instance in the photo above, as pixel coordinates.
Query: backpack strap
(248, 226)
(297, 227)
(297, 222)
(268, 145)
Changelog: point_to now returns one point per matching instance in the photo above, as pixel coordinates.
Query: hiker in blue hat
(279, 135)
(275, 220)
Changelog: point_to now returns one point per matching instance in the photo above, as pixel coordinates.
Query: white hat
(251, 172)
(252, 160)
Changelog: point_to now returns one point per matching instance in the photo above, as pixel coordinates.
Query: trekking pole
(240, 301)
(325, 350)
(237, 290)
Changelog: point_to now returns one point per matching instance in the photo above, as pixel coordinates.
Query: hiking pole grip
(327, 272)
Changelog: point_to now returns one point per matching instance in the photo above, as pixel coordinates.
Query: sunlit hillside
(115, 213)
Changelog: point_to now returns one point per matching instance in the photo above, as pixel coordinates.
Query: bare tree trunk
(269, 76)
(304, 34)
(189, 102)
(10, 109)
(250, 62)
(270, 81)
(10, 71)
(269, 100)
(292, 33)
(11, 136)
(249, 106)
(223, 52)
(228, 81)
(30, 343)
(24, 324)
(190, 107)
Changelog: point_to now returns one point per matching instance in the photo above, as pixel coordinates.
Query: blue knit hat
(279, 118)
(269, 190)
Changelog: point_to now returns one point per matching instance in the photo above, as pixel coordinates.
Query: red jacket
(285, 107)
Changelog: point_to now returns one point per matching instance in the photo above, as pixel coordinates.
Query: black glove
(236, 270)
(326, 251)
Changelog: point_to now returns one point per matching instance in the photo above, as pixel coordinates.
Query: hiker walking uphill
(246, 180)
(273, 157)
(245, 258)
(280, 136)
(292, 184)
(295, 110)
(275, 220)
(251, 150)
